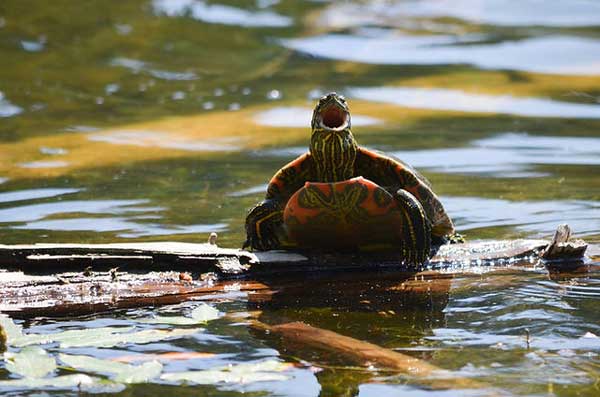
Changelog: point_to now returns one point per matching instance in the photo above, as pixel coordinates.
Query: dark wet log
(73, 294)
(360, 353)
(201, 258)
(45, 289)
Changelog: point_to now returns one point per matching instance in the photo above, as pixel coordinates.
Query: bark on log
(51, 258)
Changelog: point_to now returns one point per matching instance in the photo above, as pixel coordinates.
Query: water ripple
(31, 194)
(494, 12)
(507, 155)
(446, 99)
(166, 140)
(579, 56)
(537, 217)
(219, 13)
(7, 109)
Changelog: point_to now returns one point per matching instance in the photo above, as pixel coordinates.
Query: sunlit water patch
(34, 212)
(44, 164)
(32, 46)
(537, 54)
(291, 116)
(132, 220)
(537, 218)
(494, 12)
(507, 155)
(137, 66)
(31, 194)
(166, 140)
(53, 151)
(220, 13)
(2, 180)
(7, 109)
(249, 191)
(131, 227)
(447, 99)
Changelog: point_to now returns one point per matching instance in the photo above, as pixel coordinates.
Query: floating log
(72, 279)
(227, 262)
(73, 294)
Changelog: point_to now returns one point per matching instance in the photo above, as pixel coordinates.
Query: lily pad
(240, 373)
(170, 356)
(59, 382)
(94, 337)
(201, 314)
(13, 331)
(30, 362)
(83, 337)
(205, 313)
(113, 339)
(124, 373)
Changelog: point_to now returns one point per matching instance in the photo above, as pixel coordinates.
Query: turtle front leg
(262, 224)
(416, 229)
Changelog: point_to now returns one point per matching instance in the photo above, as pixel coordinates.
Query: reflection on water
(300, 117)
(445, 99)
(7, 109)
(166, 140)
(31, 194)
(138, 66)
(34, 212)
(219, 13)
(538, 218)
(578, 55)
(507, 155)
(250, 191)
(126, 227)
(53, 151)
(77, 75)
(134, 224)
(44, 164)
(494, 12)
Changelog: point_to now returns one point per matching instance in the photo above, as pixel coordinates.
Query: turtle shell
(355, 213)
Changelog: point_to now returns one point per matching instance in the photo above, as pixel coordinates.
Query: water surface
(164, 120)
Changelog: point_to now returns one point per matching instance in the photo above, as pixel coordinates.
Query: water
(163, 120)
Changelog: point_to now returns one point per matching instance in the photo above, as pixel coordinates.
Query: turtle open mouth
(333, 116)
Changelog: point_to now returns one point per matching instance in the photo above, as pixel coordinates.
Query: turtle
(340, 195)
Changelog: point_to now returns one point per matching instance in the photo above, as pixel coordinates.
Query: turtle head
(331, 113)
(332, 144)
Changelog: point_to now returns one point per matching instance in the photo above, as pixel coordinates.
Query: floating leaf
(239, 373)
(171, 356)
(61, 382)
(114, 339)
(13, 331)
(172, 320)
(205, 313)
(97, 337)
(125, 373)
(30, 362)
(201, 314)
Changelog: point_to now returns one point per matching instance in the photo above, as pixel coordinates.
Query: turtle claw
(416, 229)
(262, 223)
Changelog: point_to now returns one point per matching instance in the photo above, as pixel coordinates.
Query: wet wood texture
(55, 279)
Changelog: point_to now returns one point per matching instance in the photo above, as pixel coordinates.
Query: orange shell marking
(346, 214)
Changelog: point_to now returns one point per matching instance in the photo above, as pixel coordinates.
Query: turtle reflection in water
(342, 196)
